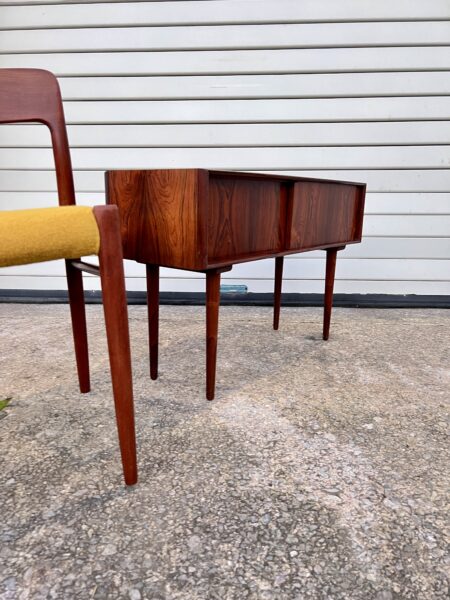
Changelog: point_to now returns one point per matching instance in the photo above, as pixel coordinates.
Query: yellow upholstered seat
(37, 235)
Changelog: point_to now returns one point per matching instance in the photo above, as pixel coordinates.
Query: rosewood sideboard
(207, 221)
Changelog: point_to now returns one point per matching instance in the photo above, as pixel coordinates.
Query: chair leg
(78, 315)
(279, 261)
(153, 316)
(329, 286)
(212, 324)
(116, 320)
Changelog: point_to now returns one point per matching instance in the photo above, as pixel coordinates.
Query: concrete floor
(319, 472)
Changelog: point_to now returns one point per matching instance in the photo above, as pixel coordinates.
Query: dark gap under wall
(249, 299)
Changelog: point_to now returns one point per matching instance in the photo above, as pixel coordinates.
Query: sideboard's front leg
(212, 324)
(279, 261)
(329, 286)
(153, 316)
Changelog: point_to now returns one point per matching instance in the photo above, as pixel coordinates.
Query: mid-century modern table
(207, 221)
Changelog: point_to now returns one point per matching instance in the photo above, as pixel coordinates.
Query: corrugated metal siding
(356, 90)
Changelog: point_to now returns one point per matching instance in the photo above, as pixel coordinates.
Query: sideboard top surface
(243, 174)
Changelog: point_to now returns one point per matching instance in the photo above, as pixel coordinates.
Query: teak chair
(70, 232)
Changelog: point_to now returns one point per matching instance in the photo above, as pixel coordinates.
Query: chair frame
(33, 95)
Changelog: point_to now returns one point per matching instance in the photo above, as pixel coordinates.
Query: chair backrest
(34, 95)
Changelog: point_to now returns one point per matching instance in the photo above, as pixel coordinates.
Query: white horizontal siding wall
(355, 89)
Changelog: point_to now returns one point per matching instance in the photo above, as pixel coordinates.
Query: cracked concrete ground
(319, 472)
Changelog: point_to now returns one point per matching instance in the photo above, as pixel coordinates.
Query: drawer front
(325, 214)
(244, 218)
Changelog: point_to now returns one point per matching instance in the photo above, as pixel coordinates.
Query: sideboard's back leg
(329, 286)
(153, 316)
(279, 261)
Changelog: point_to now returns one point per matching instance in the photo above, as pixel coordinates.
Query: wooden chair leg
(78, 315)
(153, 317)
(212, 323)
(116, 320)
(329, 286)
(279, 261)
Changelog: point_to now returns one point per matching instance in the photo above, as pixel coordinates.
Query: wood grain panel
(408, 204)
(244, 218)
(325, 214)
(159, 216)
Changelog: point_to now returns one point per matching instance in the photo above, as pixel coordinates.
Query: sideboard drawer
(325, 214)
(244, 218)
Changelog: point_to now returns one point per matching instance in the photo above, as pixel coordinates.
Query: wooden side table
(207, 221)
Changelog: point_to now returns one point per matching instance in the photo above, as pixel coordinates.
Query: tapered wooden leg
(279, 261)
(116, 320)
(78, 315)
(153, 316)
(329, 285)
(212, 322)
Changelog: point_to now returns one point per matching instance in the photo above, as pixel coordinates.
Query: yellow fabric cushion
(36, 235)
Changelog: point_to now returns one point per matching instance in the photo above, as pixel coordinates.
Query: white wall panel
(393, 133)
(249, 159)
(323, 60)
(313, 35)
(306, 85)
(60, 14)
(417, 108)
(408, 203)
(354, 90)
